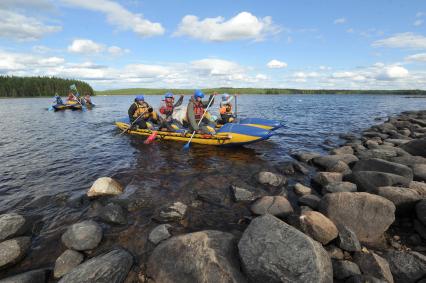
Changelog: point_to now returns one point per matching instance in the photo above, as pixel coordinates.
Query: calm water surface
(46, 158)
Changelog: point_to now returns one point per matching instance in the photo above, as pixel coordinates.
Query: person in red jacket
(166, 111)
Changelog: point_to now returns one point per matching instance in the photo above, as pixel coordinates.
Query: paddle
(131, 125)
(236, 106)
(186, 146)
(74, 87)
(151, 138)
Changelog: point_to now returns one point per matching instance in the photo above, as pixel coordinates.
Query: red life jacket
(198, 110)
(167, 109)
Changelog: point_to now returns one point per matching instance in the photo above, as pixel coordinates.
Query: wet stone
(113, 213)
(13, 250)
(85, 235)
(160, 233)
(275, 205)
(309, 200)
(174, 212)
(66, 262)
(12, 225)
(302, 190)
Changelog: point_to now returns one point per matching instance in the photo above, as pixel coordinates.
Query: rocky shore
(357, 214)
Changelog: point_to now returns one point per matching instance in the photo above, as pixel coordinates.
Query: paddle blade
(151, 138)
(186, 146)
(50, 108)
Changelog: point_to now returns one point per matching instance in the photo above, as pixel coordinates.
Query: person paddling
(195, 112)
(225, 110)
(58, 99)
(166, 112)
(143, 109)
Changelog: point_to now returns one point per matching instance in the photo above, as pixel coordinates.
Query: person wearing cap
(140, 112)
(195, 111)
(166, 111)
(225, 110)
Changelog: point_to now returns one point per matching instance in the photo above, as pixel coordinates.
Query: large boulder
(85, 235)
(105, 186)
(404, 199)
(273, 251)
(275, 205)
(415, 147)
(421, 211)
(112, 266)
(368, 215)
(325, 178)
(205, 256)
(381, 165)
(271, 179)
(12, 225)
(369, 181)
(33, 276)
(373, 265)
(419, 171)
(66, 262)
(318, 226)
(13, 250)
(406, 267)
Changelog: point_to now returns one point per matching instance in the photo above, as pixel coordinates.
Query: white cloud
(261, 77)
(324, 68)
(392, 73)
(275, 64)
(217, 67)
(242, 26)
(421, 57)
(118, 16)
(38, 4)
(403, 40)
(420, 14)
(418, 23)
(85, 46)
(10, 61)
(20, 27)
(116, 51)
(339, 21)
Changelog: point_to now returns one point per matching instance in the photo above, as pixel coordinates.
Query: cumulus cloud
(16, 26)
(10, 61)
(88, 46)
(339, 21)
(421, 57)
(418, 22)
(120, 17)
(275, 64)
(116, 51)
(392, 73)
(240, 27)
(217, 67)
(403, 40)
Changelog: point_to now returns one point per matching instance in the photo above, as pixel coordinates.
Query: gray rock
(319, 227)
(334, 252)
(105, 186)
(419, 171)
(397, 141)
(271, 179)
(420, 229)
(325, 178)
(12, 225)
(406, 266)
(408, 160)
(275, 205)
(33, 276)
(160, 233)
(205, 256)
(85, 235)
(300, 168)
(306, 156)
(342, 150)
(66, 262)
(421, 211)
(329, 160)
(369, 216)
(373, 265)
(309, 200)
(13, 250)
(419, 187)
(380, 165)
(372, 134)
(112, 266)
(405, 199)
(270, 251)
(339, 187)
(369, 181)
(415, 147)
(113, 213)
(343, 269)
(174, 212)
(302, 190)
(242, 194)
(348, 240)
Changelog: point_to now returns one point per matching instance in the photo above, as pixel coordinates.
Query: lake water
(46, 158)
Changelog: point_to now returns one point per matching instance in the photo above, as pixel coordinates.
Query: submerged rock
(270, 252)
(318, 226)
(373, 265)
(66, 262)
(33, 276)
(85, 235)
(369, 216)
(12, 225)
(13, 250)
(242, 193)
(160, 233)
(275, 205)
(205, 256)
(113, 213)
(111, 267)
(105, 186)
(269, 178)
(174, 212)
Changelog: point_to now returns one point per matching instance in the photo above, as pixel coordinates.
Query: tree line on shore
(11, 86)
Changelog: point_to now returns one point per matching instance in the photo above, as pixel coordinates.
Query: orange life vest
(167, 109)
(226, 109)
(198, 110)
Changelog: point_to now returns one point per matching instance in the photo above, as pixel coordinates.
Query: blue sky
(191, 44)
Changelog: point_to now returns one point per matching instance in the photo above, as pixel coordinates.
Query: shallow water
(46, 158)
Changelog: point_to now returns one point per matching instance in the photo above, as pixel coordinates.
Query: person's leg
(141, 123)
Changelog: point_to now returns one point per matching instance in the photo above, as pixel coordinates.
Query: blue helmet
(198, 93)
(168, 95)
(140, 98)
(225, 97)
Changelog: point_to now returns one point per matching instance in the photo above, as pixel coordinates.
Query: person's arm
(211, 98)
(191, 116)
(179, 102)
(131, 111)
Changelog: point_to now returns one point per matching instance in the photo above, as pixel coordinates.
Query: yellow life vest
(141, 108)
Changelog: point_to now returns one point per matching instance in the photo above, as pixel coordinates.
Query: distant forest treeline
(39, 86)
(132, 91)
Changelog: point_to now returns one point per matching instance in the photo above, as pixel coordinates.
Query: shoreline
(346, 209)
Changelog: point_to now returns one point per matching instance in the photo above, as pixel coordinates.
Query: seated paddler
(141, 114)
(196, 117)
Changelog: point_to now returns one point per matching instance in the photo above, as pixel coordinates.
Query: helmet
(198, 93)
(140, 98)
(168, 95)
(225, 97)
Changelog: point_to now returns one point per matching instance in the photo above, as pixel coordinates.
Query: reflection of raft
(228, 135)
(266, 124)
(67, 106)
